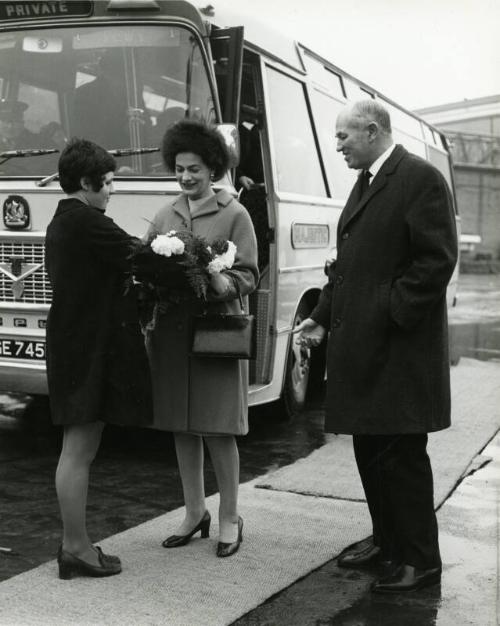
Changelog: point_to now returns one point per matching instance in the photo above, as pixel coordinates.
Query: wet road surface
(135, 477)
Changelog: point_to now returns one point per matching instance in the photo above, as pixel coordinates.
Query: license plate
(22, 349)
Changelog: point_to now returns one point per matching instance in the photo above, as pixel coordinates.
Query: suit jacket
(97, 366)
(385, 303)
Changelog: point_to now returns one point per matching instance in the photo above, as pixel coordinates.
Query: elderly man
(388, 368)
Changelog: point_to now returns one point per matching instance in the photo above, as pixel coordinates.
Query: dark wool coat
(97, 366)
(385, 304)
(202, 395)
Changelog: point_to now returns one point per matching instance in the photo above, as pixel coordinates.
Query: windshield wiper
(15, 154)
(118, 152)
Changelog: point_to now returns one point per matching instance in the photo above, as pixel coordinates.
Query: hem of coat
(200, 433)
(419, 431)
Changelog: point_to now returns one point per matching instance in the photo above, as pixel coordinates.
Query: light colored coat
(202, 395)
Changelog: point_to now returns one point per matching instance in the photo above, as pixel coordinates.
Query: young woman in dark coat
(97, 366)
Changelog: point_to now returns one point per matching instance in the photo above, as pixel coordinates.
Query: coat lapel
(355, 204)
(212, 205)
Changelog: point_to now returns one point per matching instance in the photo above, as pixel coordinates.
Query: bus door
(253, 182)
(239, 83)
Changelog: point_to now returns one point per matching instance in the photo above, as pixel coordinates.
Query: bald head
(363, 132)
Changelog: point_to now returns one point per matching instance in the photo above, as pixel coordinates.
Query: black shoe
(226, 549)
(176, 541)
(407, 578)
(108, 557)
(70, 565)
(364, 557)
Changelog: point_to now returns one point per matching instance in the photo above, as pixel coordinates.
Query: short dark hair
(198, 138)
(82, 158)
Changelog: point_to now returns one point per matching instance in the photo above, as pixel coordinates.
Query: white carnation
(230, 254)
(216, 265)
(167, 245)
(223, 261)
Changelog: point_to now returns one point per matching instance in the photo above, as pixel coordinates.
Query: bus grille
(37, 289)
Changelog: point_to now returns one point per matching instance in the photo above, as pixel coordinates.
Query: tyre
(297, 371)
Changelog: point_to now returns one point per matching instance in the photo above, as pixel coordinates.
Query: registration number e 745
(22, 349)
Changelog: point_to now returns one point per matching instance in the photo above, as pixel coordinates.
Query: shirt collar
(376, 165)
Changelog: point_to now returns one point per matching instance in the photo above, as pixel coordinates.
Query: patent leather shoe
(361, 557)
(407, 578)
(70, 565)
(176, 541)
(227, 549)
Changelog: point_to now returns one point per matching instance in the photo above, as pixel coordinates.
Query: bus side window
(298, 167)
(340, 178)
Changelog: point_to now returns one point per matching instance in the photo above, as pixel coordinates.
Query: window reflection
(119, 86)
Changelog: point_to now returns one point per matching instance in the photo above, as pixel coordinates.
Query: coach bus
(119, 72)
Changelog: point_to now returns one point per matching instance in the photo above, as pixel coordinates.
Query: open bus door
(227, 53)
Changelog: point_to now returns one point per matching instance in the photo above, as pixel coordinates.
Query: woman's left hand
(220, 283)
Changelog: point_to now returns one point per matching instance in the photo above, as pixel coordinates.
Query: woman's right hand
(220, 283)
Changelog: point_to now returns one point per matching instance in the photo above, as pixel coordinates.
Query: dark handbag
(225, 336)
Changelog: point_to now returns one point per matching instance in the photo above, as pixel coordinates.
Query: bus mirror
(230, 135)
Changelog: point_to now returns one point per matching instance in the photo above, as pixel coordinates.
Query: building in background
(473, 129)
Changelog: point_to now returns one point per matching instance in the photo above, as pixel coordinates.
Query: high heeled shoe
(70, 565)
(176, 541)
(227, 549)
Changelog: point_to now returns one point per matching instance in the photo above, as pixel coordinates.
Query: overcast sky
(417, 52)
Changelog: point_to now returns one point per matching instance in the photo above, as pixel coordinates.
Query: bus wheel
(298, 364)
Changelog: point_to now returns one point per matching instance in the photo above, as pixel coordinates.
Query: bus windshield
(120, 86)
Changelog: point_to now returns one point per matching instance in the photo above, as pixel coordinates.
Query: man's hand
(246, 182)
(311, 333)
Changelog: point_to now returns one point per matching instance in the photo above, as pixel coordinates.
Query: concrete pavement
(285, 572)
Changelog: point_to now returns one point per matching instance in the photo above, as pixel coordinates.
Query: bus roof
(257, 32)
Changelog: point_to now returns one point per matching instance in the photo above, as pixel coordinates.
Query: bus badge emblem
(17, 270)
(16, 213)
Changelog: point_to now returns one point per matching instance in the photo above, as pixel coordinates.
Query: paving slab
(329, 470)
(287, 535)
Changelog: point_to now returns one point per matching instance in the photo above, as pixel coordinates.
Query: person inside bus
(203, 400)
(385, 308)
(13, 133)
(249, 181)
(250, 171)
(100, 111)
(97, 366)
(15, 136)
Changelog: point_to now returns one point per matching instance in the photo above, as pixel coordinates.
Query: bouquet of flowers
(181, 260)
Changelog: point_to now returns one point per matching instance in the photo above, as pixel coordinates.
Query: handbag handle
(237, 288)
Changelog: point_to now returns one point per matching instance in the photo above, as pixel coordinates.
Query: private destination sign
(30, 10)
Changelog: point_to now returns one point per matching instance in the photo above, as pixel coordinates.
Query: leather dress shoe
(70, 565)
(361, 557)
(407, 578)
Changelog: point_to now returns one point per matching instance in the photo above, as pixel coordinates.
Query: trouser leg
(369, 451)
(408, 470)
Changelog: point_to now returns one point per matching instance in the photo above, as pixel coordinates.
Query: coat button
(339, 279)
(336, 322)
(345, 236)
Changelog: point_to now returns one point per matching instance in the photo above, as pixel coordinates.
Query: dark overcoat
(192, 394)
(97, 366)
(385, 303)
